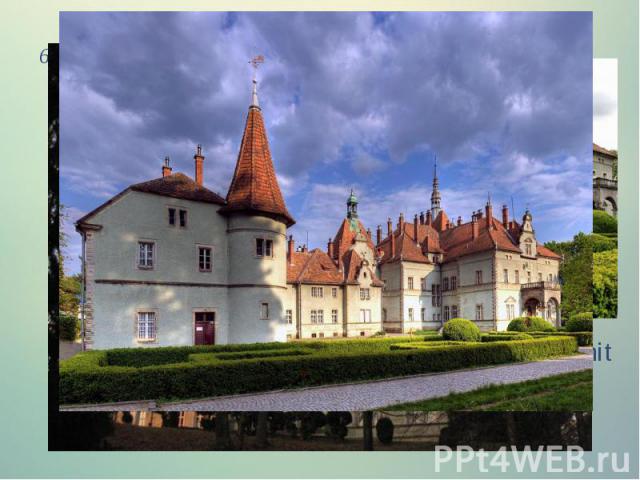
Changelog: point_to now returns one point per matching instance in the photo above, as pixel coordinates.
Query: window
(510, 311)
(365, 316)
(411, 314)
(423, 283)
(438, 296)
(505, 276)
(317, 292)
(527, 247)
(204, 259)
(264, 311)
(446, 313)
(438, 317)
(314, 316)
(529, 277)
(145, 254)
(434, 317)
(264, 247)
(454, 283)
(445, 284)
(517, 276)
(410, 283)
(550, 278)
(320, 316)
(334, 292)
(146, 326)
(289, 316)
(433, 295)
(365, 294)
(334, 316)
(423, 314)
(172, 216)
(321, 335)
(183, 218)
(479, 312)
(478, 277)
(454, 311)
(539, 276)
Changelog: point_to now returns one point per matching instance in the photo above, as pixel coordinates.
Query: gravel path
(377, 394)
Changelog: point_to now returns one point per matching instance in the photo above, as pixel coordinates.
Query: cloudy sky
(350, 100)
(605, 102)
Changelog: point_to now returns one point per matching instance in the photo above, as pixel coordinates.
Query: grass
(566, 392)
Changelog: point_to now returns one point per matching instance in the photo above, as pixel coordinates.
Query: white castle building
(170, 262)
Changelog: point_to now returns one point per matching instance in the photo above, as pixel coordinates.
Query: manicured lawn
(570, 392)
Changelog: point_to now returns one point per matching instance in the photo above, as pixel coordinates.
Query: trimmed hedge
(418, 345)
(604, 223)
(211, 357)
(580, 322)
(81, 382)
(501, 337)
(461, 329)
(69, 327)
(530, 324)
(584, 339)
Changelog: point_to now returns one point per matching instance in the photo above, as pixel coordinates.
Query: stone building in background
(605, 180)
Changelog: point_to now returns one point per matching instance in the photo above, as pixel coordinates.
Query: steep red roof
(546, 252)
(353, 264)
(254, 187)
(599, 149)
(346, 234)
(441, 221)
(317, 268)
(177, 185)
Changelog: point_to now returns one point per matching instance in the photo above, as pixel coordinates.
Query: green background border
(27, 27)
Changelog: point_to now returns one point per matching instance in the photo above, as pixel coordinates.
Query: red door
(205, 333)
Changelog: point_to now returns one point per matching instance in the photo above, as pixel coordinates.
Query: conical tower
(435, 194)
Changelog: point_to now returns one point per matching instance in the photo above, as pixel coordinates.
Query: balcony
(540, 285)
(605, 183)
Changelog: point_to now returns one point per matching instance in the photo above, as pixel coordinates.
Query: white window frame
(147, 338)
(320, 316)
(365, 294)
(334, 316)
(267, 247)
(446, 313)
(288, 314)
(365, 315)
(479, 312)
(410, 283)
(210, 248)
(317, 292)
(478, 277)
(505, 275)
(334, 292)
(411, 314)
(154, 255)
(313, 316)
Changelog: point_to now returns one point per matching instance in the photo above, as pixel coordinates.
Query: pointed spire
(254, 96)
(352, 206)
(254, 187)
(435, 194)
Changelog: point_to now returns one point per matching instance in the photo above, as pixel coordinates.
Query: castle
(170, 262)
(605, 180)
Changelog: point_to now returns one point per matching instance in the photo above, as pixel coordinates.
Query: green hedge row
(501, 337)
(211, 357)
(207, 379)
(584, 339)
(416, 345)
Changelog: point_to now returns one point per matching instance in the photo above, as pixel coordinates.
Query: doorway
(205, 331)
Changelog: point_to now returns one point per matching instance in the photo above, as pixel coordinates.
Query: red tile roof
(353, 264)
(345, 236)
(441, 221)
(599, 149)
(254, 187)
(313, 267)
(177, 185)
(546, 252)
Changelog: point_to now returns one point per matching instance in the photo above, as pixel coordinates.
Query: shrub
(584, 339)
(69, 327)
(461, 329)
(604, 223)
(602, 243)
(605, 284)
(505, 338)
(530, 324)
(580, 322)
(84, 380)
(384, 430)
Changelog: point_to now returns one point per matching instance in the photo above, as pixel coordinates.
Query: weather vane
(255, 63)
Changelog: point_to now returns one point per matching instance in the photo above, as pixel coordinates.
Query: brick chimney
(393, 245)
(330, 249)
(290, 249)
(378, 235)
(389, 227)
(415, 228)
(489, 213)
(474, 226)
(479, 214)
(166, 169)
(505, 216)
(421, 218)
(199, 159)
(429, 219)
(459, 220)
(401, 222)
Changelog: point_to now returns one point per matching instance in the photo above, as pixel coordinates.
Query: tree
(605, 284)
(576, 274)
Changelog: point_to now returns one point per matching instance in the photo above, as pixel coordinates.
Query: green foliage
(461, 329)
(69, 327)
(530, 324)
(85, 378)
(604, 223)
(602, 243)
(384, 430)
(584, 339)
(504, 338)
(209, 357)
(69, 294)
(605, 284)
(580, 322)
(576, 271)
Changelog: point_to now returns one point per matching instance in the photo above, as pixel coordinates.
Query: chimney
(489, 213)
(304, 249)
(428, 220)
(369, 233)
(505, 216)
(389, 227)
(479, 214)
(401, 222)
(393, 245)
(474, 226)
(199, 158)
(459, 220)
(330, 249)
(421, 218)
(415, 228)
(290, 249)
(166, 169)
(378, 235)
